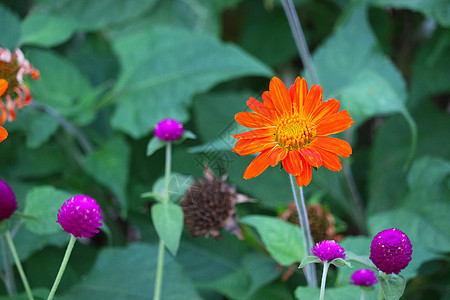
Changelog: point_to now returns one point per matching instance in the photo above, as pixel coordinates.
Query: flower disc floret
(80, 216)
(169, 130)
(8, 204)
(391, 251)
(364, 277)
(328, 250)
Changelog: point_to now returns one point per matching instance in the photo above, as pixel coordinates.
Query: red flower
(292, 126)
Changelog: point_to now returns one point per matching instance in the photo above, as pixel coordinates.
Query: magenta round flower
(364, 277)
(391, 251)
(8, 204)
(328, 250)
(80, 216)
(169, 130)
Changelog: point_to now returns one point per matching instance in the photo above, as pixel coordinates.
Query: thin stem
(380, 293)
(362, 295)
(326, 265)
(63, 267)
(299, 38)
(159, 271)
(160, 263)
(10, 283)
(310, 270)
(67, 125)
(18, 264)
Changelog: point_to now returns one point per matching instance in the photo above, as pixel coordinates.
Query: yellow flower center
(294, 132)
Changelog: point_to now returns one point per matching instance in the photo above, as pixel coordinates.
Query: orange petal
(252, 120)
(330, 160)
(311, 156)
(280, 96)
(305, 177)
(293, 163)
(312, 100)
(334, 123)
(4, 114)
(3, 86)
(326, 108)
(246, 147)
(277, 154)
(3, 134)
(298, 92)
(333, 145)
(260, 108)
(254, 134)
(258, 165)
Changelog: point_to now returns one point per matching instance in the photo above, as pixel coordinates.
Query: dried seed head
(209, 206)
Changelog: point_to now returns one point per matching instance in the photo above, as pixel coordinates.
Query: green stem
(380, 293)
(326, 265)
(18, 264)
(310, 270)
(159, 271)
(160, 263)
(63, 267)
(362, 295)
(10, 283)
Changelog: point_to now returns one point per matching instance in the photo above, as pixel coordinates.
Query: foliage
(110, 70)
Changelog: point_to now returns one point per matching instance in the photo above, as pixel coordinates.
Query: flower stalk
(160, 262)
(326, 265)
(18, 264)
(62, 268)
(310, 270)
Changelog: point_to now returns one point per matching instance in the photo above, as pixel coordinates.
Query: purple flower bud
(169, 130)
(8, 204)
(364, 277)
(391, 251)
(80, 216)
(328, 250)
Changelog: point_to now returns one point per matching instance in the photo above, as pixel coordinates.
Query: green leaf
(283, 240)
(96, 14)
(129, 273)
(309, 260)
(163, 80)
(45, 160)
(178, 183)
(435, 9)
(46, 30)
(368, 83)
(168, 221)
(60, 90)
(109, 165)
(43, 203)
(10, 37)
(154, 145)
(339, 262)
(393, 286)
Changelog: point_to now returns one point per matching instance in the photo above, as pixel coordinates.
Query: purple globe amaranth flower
(80, 216)
(169, 130)
(328, 250)
(391, 251)
(8, 204)
(364, 277)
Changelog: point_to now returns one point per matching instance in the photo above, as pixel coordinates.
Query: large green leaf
(393, 286)
(283, 240)
(62, 85)
(163, 67)
(438, 10)
(129, 273)
(10, 37)
(351, 68)
(95, 14)
(168, 221)
(47, 30)
(109, 165)
(43, 203)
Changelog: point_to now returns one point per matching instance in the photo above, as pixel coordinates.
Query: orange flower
(3, 87)
(292, 126)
